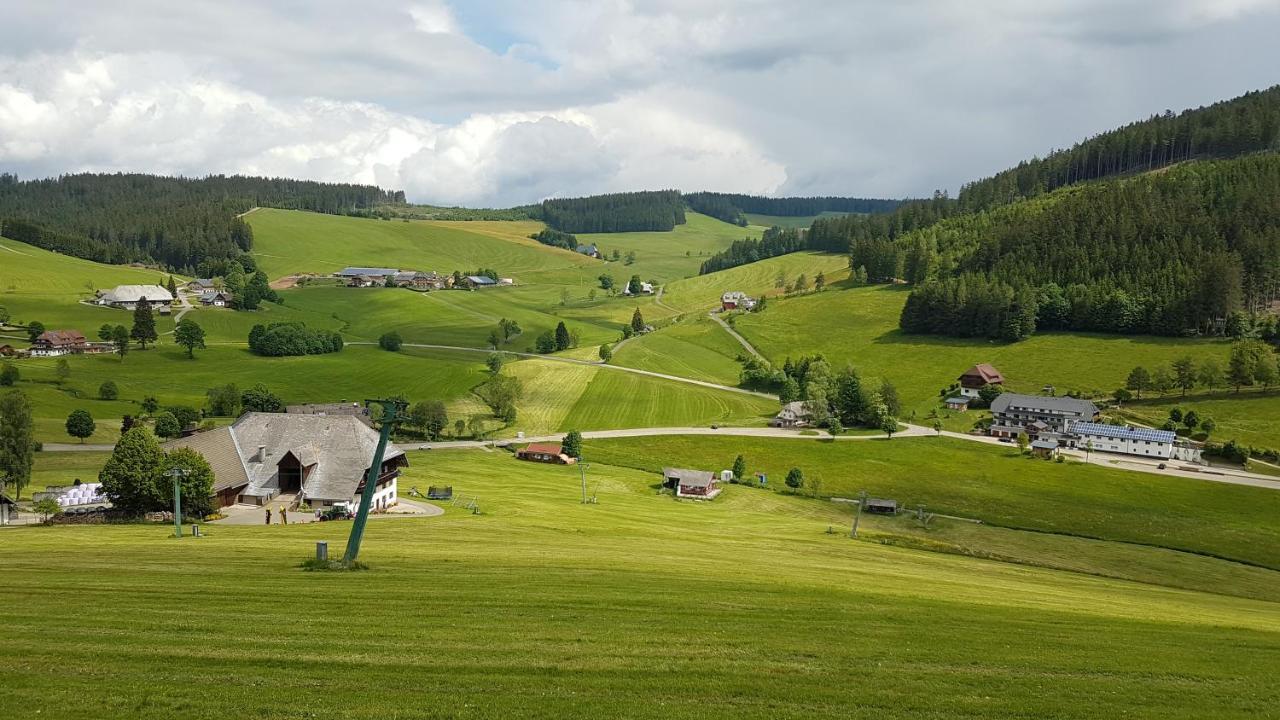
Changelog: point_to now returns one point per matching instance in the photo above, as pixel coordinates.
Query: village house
(545, 453)
(1014, 414)
(958, 403)
(590, 250)
(200, 285)
(978, 377)
(55, 343)
(362, 281)
(127, 297)
(321, 460)
(1128, 440)
(418, 280)
(735, 300)
(793, 414)
(645, 289)
(215, 298)
(696, 484)
(11, 351)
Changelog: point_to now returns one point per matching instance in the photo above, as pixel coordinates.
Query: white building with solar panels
(1143, 442)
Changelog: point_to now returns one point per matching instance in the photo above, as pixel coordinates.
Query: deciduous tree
(189, 335)
(16, 441)
(80, 424)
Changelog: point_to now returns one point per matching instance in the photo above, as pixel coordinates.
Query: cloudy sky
(496, 102)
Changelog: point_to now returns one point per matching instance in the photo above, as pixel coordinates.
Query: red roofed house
(53, 343)
(546, 453)
(978, 377)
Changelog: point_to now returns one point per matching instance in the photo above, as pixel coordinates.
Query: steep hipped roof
(548, 448)
(987, 374)
(134, 293)
(339, 446)
(1044, 404)
(61, 338)
(689, 478)
(219, 449)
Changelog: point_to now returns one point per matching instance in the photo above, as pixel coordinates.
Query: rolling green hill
(858, 326)
(638, 606)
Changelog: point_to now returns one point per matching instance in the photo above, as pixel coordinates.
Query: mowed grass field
(559, 396)
(789, 221)
(639, 606)
(859, 326)
(290, 241)
(696, 347)
(671, 255)
(996, 485)
(758, 278)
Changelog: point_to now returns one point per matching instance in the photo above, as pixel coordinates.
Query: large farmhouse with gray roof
(318, 459)
(1014, 414)
(127, 297)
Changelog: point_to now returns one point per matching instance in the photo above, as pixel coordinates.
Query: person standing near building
(268, 514)
(284, 516)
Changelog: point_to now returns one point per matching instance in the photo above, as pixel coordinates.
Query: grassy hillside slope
(638, 607)
(859, 326)
(996, 485)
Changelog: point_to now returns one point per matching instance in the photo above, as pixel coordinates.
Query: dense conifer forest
(775, 241)
(656, 210)
(733, 208)
(174, 221)
(1170, 253)
(1249, 123)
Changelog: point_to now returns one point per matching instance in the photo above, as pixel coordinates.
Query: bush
(167, 426)
(390, 341)
(291, 339)
(8, 375)
(185, 415)
(108, 391)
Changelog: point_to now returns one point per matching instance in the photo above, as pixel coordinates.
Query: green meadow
(695, 347)
(670, 255)
(789, 221)
(638, 606)
(996, 485)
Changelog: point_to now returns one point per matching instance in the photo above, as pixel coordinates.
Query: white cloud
(434, 18)
(508, 101)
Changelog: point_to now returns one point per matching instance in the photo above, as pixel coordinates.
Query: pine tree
(637, 321)
(144, 324)
(16, 440)
(563, 340)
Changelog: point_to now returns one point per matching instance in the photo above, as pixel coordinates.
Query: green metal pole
(390, 417)
(177, 506)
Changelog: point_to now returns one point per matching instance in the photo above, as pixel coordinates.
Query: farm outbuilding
(8, 510)
(698, 484)
(545, 453)
(881, 506)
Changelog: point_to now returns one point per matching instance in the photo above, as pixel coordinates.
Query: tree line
(1189, 251)
(1249, 123)
(172, 221)
(653, 210)
(774, 242)
(733, 207)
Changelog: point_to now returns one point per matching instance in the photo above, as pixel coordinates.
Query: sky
(502, 102)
